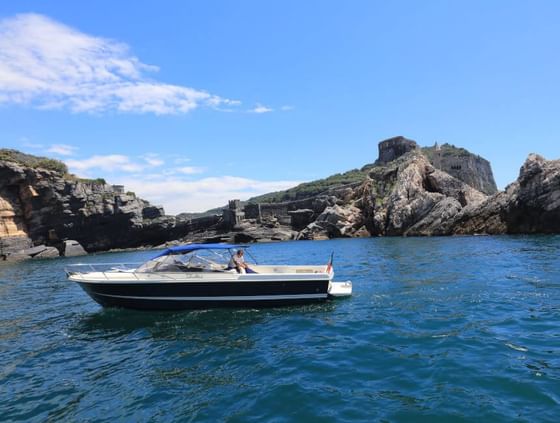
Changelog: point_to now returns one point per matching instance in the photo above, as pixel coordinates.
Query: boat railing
(106, 270)
(101, 268)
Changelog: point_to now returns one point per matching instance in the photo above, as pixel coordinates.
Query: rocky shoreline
(408, 191)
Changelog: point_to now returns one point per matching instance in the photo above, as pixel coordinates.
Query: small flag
(329, 266)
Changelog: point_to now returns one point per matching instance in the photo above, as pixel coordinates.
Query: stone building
(233, 214)
(392, 148)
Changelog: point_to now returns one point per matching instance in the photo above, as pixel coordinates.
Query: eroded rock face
(41, 206)
(410, 197)
(529, 205)
(407, 196)
(335, 222)
(13, 231)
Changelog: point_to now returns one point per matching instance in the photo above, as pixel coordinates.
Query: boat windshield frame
(200, 260)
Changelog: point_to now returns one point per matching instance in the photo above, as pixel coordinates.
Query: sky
(190, 104)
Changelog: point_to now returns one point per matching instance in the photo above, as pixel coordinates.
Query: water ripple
(438, 329)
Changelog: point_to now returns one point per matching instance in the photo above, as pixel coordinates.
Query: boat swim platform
(340, 289)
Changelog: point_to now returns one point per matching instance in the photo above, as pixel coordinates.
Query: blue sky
(192, 103)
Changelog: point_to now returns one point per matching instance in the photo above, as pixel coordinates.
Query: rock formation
(411, 191)
(529, 205)
(408, 191)
(40, 206)
(406, 196)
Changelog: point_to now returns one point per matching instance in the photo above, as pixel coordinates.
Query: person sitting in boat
(238, 262)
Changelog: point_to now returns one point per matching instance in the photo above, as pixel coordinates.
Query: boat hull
(196, 295)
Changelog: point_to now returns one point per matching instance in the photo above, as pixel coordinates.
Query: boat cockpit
(203, 260)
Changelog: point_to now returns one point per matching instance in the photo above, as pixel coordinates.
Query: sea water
(437, 329)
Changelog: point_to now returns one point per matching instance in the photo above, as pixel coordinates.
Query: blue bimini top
(183, 249)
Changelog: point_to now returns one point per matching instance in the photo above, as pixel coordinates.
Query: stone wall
(290, 213)
(202, 223)
(463, 165)
(253, 211)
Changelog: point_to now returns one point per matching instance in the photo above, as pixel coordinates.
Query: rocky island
(407, 191)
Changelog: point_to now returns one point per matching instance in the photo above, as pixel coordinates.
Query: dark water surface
(438, 329)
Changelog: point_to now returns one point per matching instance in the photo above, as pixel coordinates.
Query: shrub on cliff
(310, 189)
(52, 164)
(34, 162)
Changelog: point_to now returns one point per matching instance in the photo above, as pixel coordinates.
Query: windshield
(198, 261)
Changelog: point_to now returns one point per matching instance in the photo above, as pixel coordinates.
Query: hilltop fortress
(458, 162)
(297, 214)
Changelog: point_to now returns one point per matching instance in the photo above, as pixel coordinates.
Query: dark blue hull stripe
(223, 298)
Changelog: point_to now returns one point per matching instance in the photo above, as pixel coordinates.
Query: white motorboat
(198, 276)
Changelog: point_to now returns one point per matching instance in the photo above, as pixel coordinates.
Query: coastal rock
(45, 206)
(48, 252)
(10, 244)
(16, 257)
(410, 197)
(408, 191)
(336, 221)
(41, 251)
(529, 205)
(38, 252)
(73, 248)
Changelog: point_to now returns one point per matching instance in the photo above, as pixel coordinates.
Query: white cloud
(114, 163)
(190, 170)
(180, 160)
(153, 160)
(62, 149)
(107, 163)
(286, 108)
(48, 65)
(177, 195)
(174, 187)
(259, 108)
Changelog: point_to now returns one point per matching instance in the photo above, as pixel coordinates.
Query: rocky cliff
(413, 191)
(408, 191)
(406, 196)
(529, 205)
(42, 204)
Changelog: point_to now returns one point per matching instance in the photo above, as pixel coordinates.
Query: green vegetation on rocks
(310, 189)
(95, 181)
(446, 150)
(35, 162)
(38, 162)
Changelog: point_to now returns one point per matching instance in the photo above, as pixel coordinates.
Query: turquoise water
(438, 329)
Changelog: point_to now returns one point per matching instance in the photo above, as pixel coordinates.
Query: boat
(199, 276)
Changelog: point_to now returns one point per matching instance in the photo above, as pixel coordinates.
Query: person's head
(240, 253)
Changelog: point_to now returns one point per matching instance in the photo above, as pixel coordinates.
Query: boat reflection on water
(198, 276)
(115, 323)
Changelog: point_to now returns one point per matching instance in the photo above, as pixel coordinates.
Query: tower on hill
(392, 148)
